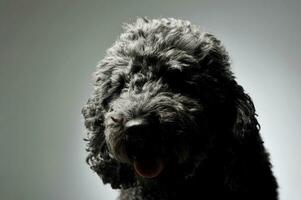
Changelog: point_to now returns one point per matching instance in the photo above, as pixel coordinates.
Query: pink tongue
(148, 168)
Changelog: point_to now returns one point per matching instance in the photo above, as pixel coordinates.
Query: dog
(168, 120)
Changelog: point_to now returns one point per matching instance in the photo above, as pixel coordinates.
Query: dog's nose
(138, 139)
(136, 128)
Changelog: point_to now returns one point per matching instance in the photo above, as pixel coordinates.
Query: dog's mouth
(146, 162)
(149, 168)
(146, 159)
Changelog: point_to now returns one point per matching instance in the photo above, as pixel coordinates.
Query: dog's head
(163, 95)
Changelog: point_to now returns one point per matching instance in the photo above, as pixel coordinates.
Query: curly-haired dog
(167, 119)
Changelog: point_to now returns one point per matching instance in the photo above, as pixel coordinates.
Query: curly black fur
(201, 123)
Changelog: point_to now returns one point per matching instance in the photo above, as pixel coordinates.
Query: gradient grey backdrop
(48, 50)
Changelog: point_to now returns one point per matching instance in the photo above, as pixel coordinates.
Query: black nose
(137, 128)
(138, 138)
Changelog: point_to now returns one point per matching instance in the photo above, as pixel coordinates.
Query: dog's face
(157, 92)
(154, 114)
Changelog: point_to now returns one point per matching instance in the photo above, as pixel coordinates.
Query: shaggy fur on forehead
(171, 69)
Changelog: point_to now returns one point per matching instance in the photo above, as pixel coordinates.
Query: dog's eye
(125, 89)
(135, 68)
(174, 78)
(181, 82)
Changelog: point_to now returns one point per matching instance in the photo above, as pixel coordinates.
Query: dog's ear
(110, 171)
(245, 122)
(212, 55)
(214, 60)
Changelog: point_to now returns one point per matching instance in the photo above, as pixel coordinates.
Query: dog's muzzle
(143, 148)
(140, 139)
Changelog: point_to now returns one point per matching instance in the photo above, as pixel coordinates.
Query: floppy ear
(119, 175)
(245, 122)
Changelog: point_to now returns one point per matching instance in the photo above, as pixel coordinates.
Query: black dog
(167, 119)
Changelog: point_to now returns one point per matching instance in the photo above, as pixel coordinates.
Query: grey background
(49, 49)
